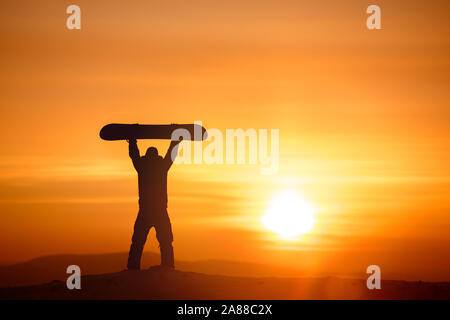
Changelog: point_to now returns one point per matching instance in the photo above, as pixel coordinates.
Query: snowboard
(121, 131)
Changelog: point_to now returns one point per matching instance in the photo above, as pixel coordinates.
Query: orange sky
(363, 119)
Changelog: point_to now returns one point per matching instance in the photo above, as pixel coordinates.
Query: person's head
(152, 153)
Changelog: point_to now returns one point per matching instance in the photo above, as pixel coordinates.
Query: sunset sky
(363, 119)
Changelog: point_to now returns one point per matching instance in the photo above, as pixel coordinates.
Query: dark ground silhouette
(164, 283)
(101, 280)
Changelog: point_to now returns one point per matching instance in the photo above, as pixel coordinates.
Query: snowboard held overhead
(119, 131)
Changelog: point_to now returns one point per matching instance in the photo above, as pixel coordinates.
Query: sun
(289, 215)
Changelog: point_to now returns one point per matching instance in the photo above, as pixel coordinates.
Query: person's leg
(165, 238)
(141, 228)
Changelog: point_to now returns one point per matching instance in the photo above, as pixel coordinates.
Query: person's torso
(152, 176)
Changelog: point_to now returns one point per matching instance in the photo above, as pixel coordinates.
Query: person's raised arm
(133, 151)
(172, 152)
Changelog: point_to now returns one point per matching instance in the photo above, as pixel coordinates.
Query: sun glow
(289, 215)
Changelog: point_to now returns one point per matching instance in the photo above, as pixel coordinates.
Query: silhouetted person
(152, 177)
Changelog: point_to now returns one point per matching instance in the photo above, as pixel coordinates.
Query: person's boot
(134, 258)
(167, 259)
